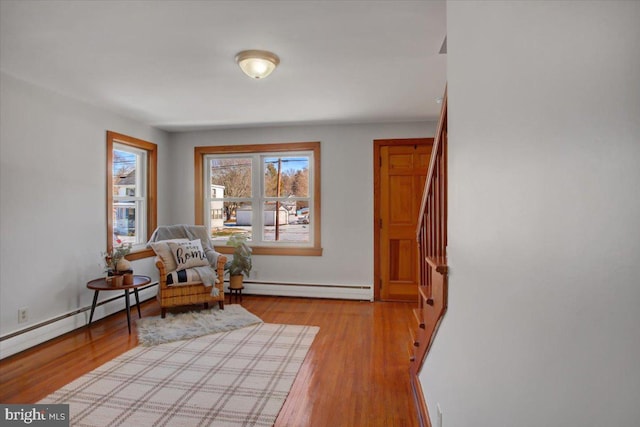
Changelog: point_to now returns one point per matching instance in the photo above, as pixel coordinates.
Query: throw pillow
(188, 254)
(163, 251)
(183, 277)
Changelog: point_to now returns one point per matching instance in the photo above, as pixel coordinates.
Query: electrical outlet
(439, 415)
(254, 274)
(23, 315)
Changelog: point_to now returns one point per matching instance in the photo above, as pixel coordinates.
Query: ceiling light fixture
(257, 64)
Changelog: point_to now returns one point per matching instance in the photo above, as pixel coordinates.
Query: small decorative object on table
(115, 261)
(128, 278)
(117, 280)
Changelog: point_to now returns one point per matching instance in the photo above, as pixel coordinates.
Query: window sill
(257, 250)
(140, 254)
(271, 250)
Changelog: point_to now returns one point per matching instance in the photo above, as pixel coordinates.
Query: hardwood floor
(355, 374)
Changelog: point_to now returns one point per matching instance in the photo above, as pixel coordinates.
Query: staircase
(431, 237)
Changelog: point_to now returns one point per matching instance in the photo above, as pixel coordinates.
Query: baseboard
(309, 290)
(421, 405)
(54, 327)
(33, 335)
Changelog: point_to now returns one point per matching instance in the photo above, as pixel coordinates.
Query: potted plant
(240, 265)
(115, 260)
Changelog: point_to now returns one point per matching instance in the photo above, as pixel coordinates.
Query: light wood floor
(355, 375)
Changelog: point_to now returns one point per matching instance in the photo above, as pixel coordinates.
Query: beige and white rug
(236, 378)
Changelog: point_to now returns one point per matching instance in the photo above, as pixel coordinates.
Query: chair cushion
(188, 254)
(163, 251)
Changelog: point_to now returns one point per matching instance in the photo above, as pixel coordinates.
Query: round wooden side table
(107, 284)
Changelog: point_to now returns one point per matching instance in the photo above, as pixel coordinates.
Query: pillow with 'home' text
(163, 251)
(188, 254)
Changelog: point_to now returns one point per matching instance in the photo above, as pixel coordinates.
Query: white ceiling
(171, 63)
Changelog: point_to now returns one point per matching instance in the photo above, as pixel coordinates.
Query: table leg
(93, 306)
(126, 299)
(135, 291)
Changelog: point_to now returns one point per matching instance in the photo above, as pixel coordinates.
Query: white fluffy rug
(182, 326)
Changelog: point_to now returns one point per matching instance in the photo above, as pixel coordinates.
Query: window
(131, 192)
(270, 193)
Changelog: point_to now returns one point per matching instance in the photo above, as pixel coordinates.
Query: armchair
(179, 286)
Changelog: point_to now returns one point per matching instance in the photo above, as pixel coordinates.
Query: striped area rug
(236, 378)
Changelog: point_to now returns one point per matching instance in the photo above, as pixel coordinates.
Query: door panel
(403, 169)
(400, 161)
(400, 204)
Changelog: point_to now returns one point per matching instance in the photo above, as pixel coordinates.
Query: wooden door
(403, 166)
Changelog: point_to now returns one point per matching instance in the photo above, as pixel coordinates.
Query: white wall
(347, 201)
(53, 213)
(53, 206)
(543, 326)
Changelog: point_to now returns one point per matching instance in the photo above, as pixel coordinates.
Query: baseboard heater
(70, 314)
(309, 290)
(313, 285)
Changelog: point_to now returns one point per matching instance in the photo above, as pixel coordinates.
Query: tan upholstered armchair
(180, 286)
(180, 295)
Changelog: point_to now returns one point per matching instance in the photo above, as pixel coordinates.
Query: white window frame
(146, 188)
(257, 153)
(140, 199)
(258, 197)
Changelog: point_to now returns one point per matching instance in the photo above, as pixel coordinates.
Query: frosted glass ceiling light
(257, 64)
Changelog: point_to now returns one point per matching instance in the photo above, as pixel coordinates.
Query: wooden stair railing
(431, 236)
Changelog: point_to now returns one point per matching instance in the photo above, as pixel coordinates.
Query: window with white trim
(269, 193)
(131, 192)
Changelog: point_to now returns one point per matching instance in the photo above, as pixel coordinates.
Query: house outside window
(269, 193)
(129, 194)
